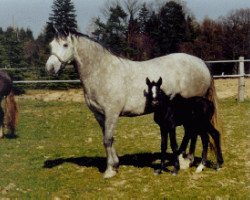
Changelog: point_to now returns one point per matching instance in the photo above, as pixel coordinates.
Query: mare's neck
(90, 56)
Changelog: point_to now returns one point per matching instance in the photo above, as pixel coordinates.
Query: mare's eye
(65, 45)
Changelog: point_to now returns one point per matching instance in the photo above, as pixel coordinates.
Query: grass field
(59, 155)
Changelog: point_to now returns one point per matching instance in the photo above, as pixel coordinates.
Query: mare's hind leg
(108, 125)
(216, 137)
(1, 121)
(204, 139)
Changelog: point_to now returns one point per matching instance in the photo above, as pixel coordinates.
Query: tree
(143, 18)
(62, 17)
(171, 27)
(113, 33)
(237, 33)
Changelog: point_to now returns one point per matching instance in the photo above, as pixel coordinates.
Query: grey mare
(114, 86)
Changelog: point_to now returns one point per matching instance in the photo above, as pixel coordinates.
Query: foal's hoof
(109, 173)
(157, 172)
(218, 167)
(173, 173)
(200, 168)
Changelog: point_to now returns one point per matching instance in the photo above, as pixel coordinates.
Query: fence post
(241, 83)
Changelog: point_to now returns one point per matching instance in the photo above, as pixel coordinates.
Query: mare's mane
(64, 35)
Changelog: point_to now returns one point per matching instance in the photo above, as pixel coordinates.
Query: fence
(241, 76)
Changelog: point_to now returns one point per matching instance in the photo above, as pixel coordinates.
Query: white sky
(33, 14)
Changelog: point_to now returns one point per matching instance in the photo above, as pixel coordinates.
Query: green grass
(59, 154)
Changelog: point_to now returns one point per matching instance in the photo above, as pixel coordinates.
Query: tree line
(141, 32)
(138, 31)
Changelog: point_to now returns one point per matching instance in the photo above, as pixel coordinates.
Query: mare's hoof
(109, 173)
(200, 168)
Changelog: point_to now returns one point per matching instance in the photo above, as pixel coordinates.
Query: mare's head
(62, 52)
(155, 93)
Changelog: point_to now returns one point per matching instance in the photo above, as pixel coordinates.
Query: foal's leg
(185, 163)
(164, 142)
(174, 147)
(192, 147)
(1, 121)
(205, 140)
(216, 137)
(107, 124)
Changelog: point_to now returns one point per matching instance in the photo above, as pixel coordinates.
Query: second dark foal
(194, 114)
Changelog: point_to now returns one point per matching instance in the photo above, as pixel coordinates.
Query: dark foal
(194, 114)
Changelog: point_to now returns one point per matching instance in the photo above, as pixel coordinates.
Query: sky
(33, 14)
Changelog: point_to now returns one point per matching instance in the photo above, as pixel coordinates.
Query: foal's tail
(216, 122)
(11, 112)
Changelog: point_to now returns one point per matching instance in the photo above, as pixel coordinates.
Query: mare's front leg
(108, 123)
(205, 140)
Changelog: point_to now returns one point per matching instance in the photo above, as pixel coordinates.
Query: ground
(226, 88)
(59, 154)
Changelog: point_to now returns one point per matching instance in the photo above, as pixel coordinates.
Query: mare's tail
(11, 112)
(216, 122)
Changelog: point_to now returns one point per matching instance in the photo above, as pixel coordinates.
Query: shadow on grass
(10, 136)
(140, 160)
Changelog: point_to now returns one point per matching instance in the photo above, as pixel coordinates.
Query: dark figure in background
(11, 112)
(193, 113)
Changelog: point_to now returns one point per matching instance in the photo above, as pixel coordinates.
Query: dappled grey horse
(6, 93)
(114, 86)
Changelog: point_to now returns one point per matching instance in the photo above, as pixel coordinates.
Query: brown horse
(11, 111)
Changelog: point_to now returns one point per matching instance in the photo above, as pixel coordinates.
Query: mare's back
(5, 84)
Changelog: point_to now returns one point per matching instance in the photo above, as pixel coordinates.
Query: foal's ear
(148, 81)
(159, 82)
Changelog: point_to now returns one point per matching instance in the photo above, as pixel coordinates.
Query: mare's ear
(148, 81)
(159, 82)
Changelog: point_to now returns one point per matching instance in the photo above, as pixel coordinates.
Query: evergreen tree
(143, 18)
(62, 17)
(113, 33)
(171, 27)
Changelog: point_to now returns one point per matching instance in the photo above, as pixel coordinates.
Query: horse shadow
(139, 160)
(10, 135)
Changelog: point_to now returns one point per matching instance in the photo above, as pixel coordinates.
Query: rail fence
(241, 76)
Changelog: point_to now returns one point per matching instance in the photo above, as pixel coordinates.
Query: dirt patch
(225, 88)
(75, 95)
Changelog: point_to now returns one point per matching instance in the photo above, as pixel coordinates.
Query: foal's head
(154, 91)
